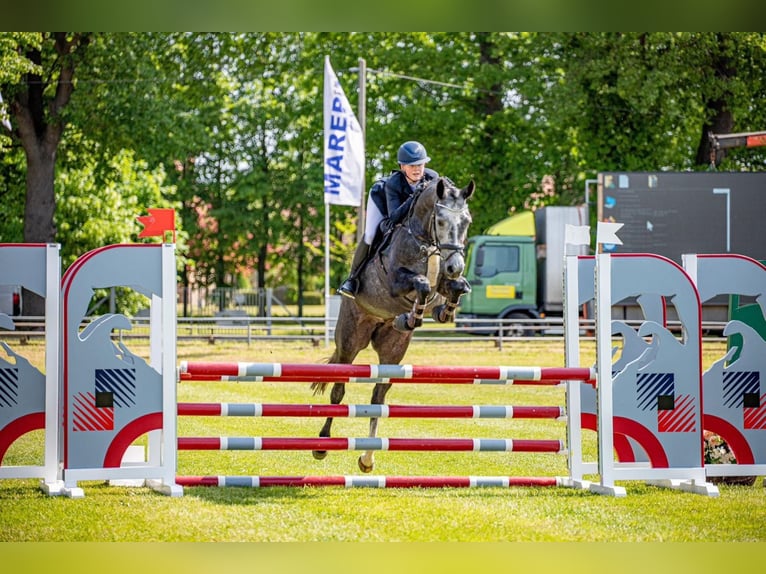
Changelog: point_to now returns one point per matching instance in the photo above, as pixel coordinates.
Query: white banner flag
(343, 145)
(577, 234)
(606, 232)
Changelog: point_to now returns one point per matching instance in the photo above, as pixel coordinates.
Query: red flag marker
(158, 222)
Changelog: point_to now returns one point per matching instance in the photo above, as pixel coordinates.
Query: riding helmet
(412, 153)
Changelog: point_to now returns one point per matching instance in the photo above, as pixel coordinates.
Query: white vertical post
(156, 340)
(52, 482)
(604, 399)
(166, 352)
(169, 363)
(572, 359)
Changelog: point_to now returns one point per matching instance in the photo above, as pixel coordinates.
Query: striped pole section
(389, 444)
(382, 373)
(189, 377)
(353, 481)
(368, 411)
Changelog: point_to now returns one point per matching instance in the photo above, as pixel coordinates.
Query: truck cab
(516, 270)
(503, 277)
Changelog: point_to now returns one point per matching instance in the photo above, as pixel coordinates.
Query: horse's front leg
(336, 396)
(367, 460)
(404, 282)
(455, 288)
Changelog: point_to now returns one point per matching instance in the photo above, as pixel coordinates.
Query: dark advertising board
(672, 213)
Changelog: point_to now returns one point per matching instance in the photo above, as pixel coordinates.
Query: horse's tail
(319, 388)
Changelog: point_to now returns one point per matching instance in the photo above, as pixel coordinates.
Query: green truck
(515, 270)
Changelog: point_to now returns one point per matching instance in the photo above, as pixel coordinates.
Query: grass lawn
(314, 514)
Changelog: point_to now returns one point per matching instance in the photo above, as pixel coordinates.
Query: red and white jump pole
(354, 481)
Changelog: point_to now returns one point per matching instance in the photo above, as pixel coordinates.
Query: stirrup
(349, 288)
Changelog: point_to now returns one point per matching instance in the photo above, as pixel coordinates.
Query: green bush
(312, 298)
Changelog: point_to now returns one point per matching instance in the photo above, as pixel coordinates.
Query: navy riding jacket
(392, 199)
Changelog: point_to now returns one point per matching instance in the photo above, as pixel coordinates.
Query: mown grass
(315, 514)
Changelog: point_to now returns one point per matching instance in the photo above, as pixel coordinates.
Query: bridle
(431, 248)
(454, 247)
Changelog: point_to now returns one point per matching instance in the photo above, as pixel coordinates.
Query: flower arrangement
(718, 451)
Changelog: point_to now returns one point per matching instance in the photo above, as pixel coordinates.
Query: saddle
(383, 235)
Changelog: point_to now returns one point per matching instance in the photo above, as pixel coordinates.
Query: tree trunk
(299, 254)
(39, 210)
(721, 123)
(721, 118)
(40, 126)
(263, 250)
(40, 205)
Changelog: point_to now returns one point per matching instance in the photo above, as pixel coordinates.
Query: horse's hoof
(401, 324)
(363, 467)
(319, 454)
(441, 314)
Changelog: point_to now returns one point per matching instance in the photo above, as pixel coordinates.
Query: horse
(417, 269)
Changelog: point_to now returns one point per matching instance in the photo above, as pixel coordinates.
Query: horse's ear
(468, 191)
(440, 188)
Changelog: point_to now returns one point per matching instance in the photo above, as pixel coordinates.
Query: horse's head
(448, 219)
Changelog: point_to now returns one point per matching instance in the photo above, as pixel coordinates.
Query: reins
(426, 238)
(429, 243)
(430, 247)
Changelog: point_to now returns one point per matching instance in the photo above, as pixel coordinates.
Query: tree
(730, 70)
(646, 101)
(97, 205)
(37, 105)
(234, 124)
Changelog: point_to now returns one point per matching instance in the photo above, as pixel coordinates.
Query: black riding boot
(351, 285)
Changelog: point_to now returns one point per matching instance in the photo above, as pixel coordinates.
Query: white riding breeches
(373, 219)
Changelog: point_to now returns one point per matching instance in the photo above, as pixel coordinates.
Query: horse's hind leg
(391, 346)
(366, 461)
(336, 396)
(352, 333)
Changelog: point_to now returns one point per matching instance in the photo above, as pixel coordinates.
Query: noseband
(429, 243)
(454, 247)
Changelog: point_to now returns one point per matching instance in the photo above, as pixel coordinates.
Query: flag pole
(343, 164)
(326, 273)
(362, 115)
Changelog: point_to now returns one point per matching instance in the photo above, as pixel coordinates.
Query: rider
(389, 205)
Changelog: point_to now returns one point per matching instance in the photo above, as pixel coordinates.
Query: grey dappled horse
(418, 269)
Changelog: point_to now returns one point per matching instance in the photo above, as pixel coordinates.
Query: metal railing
(248, 329)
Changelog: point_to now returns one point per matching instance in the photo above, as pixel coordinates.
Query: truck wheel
(517, 329)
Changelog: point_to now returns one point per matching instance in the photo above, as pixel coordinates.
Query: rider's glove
(386, 225)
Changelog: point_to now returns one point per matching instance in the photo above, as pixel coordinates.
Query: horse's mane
(427, 191)
(431, 184)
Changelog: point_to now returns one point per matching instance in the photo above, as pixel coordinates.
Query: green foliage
(235, 123)
(98, 205)
(313, 297)
(11, 197)
(13, 62)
